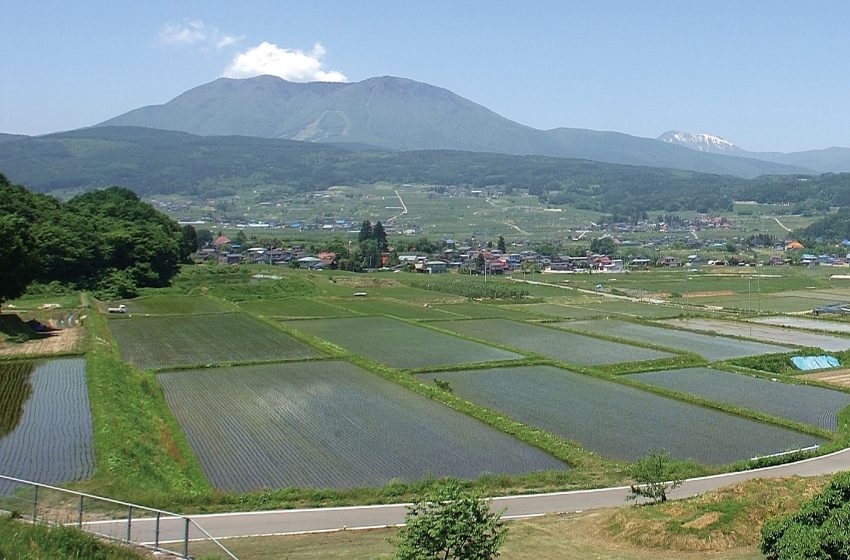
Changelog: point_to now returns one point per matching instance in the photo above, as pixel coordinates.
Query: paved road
(227, 525)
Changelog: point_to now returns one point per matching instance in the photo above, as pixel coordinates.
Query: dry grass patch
(840, 378)
(723, 520)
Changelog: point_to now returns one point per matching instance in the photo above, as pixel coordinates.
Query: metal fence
(149, 528)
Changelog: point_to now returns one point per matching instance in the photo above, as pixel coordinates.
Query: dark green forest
(160, 162)
(104, 240)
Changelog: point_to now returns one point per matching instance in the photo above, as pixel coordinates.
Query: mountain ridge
(402, 114)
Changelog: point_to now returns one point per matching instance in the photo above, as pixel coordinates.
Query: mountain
(400, 114)
(152, 161)
(701, 142)
(829, 160)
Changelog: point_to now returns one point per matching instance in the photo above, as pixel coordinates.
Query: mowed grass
(330, 425)
(399, 344)
(183, 340)
(710, 347)
(175, 305)
(801, 403)
(552, 343)
(617, 421)
(295, 308)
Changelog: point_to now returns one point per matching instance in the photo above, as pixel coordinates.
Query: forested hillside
(107, 240)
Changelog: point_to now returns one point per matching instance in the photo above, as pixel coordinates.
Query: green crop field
(46, 432)
(370, 306)
(182, 340)
(399, 344)
(484, 311)
(710, 347)
(175, 305)
(801, 403)
(295, 308)
(330, 424)
(617, 421)
(552, 343)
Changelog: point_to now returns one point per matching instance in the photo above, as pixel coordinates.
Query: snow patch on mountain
(700, 141)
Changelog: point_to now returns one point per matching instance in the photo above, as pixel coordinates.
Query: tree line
(108, 241)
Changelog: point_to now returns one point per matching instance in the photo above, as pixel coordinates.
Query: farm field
(710, 347)
(174, 305)
(805, 323)
(45, 425)
(765, 333)
(295, 308)
(801, 403)
(182, 340)
(367, 306)
(552, 343)
(399, 344)
(484, 311)
(771, 303)
(330, 425)
(617, 421)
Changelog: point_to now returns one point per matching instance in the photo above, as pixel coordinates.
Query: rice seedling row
(709, 347)
(169, 341)
(51, 439)
(765, 333)
(552, 343)
(801, 403)
(617, 421)
(330, 424)
(399, 344)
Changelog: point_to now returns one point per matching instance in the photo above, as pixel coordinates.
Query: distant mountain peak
(700, 141)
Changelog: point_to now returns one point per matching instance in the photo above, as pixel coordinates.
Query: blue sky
(767, 75)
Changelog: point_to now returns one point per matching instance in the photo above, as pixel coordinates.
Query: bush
(819, 529)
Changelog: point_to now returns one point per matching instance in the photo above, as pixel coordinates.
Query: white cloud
(290, 64)
(195, 32)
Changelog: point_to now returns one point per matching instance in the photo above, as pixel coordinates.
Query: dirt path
(781, 224)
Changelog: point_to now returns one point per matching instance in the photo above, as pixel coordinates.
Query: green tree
(17, 265)
(188, 242)
(450, 523)
(654, 475)
(365, 231)
(819, 529)
(602, 246)
(501, 245)
(380, 236)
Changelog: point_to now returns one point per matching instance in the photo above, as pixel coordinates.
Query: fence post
(185, 537)
(129, 521)
(156, 531)
(80, 512)
(35, 504)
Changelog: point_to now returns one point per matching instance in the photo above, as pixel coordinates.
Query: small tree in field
(450, 524)
(654, 476)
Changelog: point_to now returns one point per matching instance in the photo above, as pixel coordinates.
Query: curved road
(293, 521)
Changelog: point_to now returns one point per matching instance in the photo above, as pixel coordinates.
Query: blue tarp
(806, 363)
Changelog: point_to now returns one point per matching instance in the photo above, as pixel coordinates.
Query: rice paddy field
(617, 421)
(330, 425)
(710, 347)
(392, 308)
(399, 344)
(805, 323)
(765, 333)
(46, 431)
(522, 312)
(183, 340)
(295, 308)
(175, 305)
(801, 403)
(553, 343)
